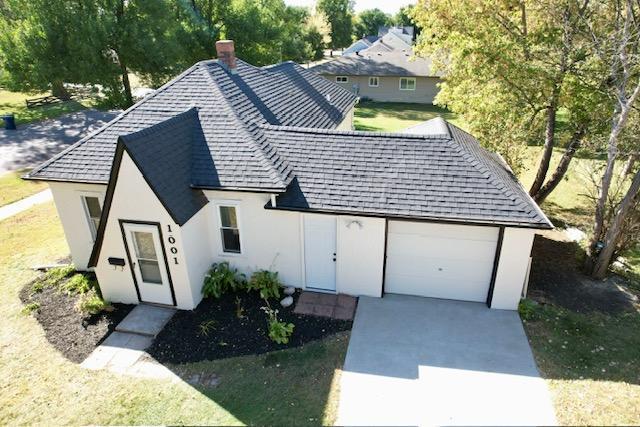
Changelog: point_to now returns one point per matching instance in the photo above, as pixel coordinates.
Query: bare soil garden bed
(234, 325)
(71, 332)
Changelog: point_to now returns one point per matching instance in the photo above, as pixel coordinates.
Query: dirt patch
(556, 277)
(73, 334)
(214, 330)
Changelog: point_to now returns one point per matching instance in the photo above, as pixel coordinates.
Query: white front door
(147, 262)
(320, 252)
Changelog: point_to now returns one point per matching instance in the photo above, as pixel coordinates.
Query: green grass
(39, 386)
(393, 116)
(14, 102)
(591, 364)
(13, 188)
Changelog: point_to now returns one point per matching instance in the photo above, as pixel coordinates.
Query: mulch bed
(556, 277)
(72, 333)
(183, 340)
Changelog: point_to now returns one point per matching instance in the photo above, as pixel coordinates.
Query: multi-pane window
(407, 83)
(93, 211)
(373, 81)
(229, 230)
(342, 79)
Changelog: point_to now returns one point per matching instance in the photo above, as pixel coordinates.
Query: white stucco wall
(68, 199)
(269, 239)
(135, 201)
(512, 268)
(347, 123)
(198, 250)
(360, 257)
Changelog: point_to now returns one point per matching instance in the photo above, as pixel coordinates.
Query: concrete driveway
(423, 361)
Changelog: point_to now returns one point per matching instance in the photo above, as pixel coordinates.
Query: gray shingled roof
(370, 62)
(232, 153)
(438, 176)
(162, 152)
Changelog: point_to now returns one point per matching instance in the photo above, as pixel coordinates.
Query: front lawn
(14, 102)
(38, 385)
(13, 188)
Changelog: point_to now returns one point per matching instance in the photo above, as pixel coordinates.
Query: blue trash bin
(9, 121)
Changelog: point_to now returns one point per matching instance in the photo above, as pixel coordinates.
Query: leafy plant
(222, 278)
(239, 309)
(527, 309)
(266, 282)
(53, 276)
(30, 308)
(207, 327)
(91, 303)
(78, 284)
(279, 331)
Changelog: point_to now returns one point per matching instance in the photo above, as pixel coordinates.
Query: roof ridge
(274, 173)
(298, 129)
(496, 180)
(115, 120)
(160, 125)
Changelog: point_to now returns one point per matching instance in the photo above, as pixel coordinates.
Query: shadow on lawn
(288, 387)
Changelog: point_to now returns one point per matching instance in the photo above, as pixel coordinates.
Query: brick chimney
(227, 54)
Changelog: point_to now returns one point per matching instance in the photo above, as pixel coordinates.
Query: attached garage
(440, 260)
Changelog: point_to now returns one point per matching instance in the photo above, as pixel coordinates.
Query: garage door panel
(440, 260)
(439, 247)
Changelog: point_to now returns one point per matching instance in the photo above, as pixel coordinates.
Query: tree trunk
(605, 256)
(549, 141)
(126, 85)
(631, 162)
(562, 168)
(58, 90)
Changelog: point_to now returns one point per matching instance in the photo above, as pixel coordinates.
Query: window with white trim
(407, 83)
(93, 211)
(373, 81)
(229, 229)
(342, 79)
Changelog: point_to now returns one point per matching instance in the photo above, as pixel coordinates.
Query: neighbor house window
(93, 211)
(373, 82)
(342, 79)
(407, 83)
(229, 229)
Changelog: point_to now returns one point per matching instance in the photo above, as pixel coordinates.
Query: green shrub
(91, 303)
(78, 284)
(54, 275)
(266, 282)
(30, 308)
(527, 309)
(279, 332)
(220, 279)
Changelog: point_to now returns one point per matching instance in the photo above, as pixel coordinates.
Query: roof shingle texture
(232, 153)
(162, 152)
(443, 177)
(378, 62)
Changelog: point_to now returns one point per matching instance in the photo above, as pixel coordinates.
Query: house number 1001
(172, 249)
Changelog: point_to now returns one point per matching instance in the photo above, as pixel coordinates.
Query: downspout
(273, 200)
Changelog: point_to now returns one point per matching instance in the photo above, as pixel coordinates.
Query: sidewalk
(22, 205)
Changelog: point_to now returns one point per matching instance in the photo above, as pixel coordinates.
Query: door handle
(334, 257)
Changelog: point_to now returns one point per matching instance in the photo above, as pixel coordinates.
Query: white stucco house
(260, 167)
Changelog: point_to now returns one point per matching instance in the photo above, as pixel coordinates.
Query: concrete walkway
(422, 361)
(123, 351)
(15, 208)
(34, 143)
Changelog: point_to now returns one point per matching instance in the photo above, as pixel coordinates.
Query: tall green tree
(339, 13)
(368, 21)
(510, 67)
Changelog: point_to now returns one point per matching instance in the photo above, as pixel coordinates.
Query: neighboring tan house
(386, 75)
(259, 167)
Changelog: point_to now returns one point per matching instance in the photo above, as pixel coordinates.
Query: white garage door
(439, 260)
